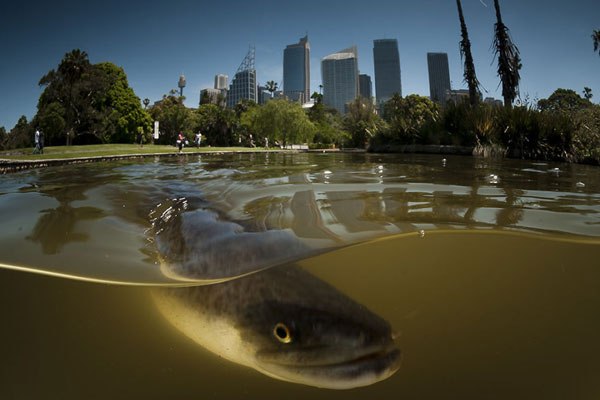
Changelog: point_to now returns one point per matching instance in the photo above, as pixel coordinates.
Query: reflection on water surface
(481, 308)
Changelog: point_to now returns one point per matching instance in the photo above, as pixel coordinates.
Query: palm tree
(509, 60)
(465, 52)
(596, 39)
(271, 87)
(70, 70)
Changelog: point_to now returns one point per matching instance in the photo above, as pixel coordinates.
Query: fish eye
(282, 333)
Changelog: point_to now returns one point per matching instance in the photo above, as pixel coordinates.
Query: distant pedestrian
(180, 140)
(41, 142)
(198, 139)
(251, 141)
(267, 142)
(141, 138)
(36, 139)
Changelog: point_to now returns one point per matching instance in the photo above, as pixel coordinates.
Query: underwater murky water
(411, 276)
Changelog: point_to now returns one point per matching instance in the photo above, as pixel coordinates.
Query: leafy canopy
(279, 120)
(89, 102)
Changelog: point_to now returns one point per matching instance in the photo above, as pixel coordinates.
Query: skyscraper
(262, 95)
(387, 69)
(339, 74)
(296, 70)
(243, 85)
(439, 76)
(221, 81)
(365, 86)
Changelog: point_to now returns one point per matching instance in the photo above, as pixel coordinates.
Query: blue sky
(155, 41)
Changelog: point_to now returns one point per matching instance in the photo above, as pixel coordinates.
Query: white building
(221, 81)
(339, 74)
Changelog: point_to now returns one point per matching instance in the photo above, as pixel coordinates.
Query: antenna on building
(248, 63)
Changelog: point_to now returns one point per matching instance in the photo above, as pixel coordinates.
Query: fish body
(200, 245)
(287, 324)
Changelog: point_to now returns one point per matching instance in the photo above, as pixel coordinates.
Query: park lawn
(98, 150)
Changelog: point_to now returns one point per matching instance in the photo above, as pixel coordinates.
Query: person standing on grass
(198, 139)
(180, 140)
(36, 139)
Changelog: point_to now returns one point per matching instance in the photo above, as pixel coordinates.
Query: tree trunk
(465, 48)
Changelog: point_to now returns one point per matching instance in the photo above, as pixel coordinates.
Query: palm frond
(470, 77)
(509, 59)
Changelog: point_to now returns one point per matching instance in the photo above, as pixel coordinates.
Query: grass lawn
(94, 150)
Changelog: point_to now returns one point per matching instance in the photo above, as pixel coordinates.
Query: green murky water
(486, 272)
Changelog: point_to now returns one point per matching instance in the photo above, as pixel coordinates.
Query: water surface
(487, 270)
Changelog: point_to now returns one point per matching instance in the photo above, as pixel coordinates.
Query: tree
(563, 101)
(217, 124)
(279, 120)
(89, 103)
(66, 87)
(465, 52)
(173, 118)
(51, 119)
(587, 93)
(328, 123)
(362, 122)
(408, 116)
(21, 135)
(3, 137)
(121, 107)
(509, 60)
(596, 39)
(242, 106)
(317, 97)
(204, 98)
(271, 87)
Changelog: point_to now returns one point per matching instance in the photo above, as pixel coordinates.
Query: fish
(199, 244)
(254, 305)
(287, 324)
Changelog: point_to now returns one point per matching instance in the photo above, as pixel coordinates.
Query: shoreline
(11, 165)
(15, 165)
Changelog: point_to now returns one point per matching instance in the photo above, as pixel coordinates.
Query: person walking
(36, 139)
(141, 138)
(198, 139)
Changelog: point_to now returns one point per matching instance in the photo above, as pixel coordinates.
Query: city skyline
(553, 37)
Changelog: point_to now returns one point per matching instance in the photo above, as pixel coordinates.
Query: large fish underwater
(282, 321)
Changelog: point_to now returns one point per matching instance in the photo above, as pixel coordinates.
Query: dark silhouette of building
(439, 77)
(365, 86)
(387, 69)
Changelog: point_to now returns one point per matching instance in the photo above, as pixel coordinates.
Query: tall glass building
(387, 69)
(365, 86)
(243, 85)
(339, 76)
(439, 77)
(296, 70)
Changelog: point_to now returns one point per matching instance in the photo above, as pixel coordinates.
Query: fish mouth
(362, 369)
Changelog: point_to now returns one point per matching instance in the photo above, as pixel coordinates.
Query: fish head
(320, 347)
